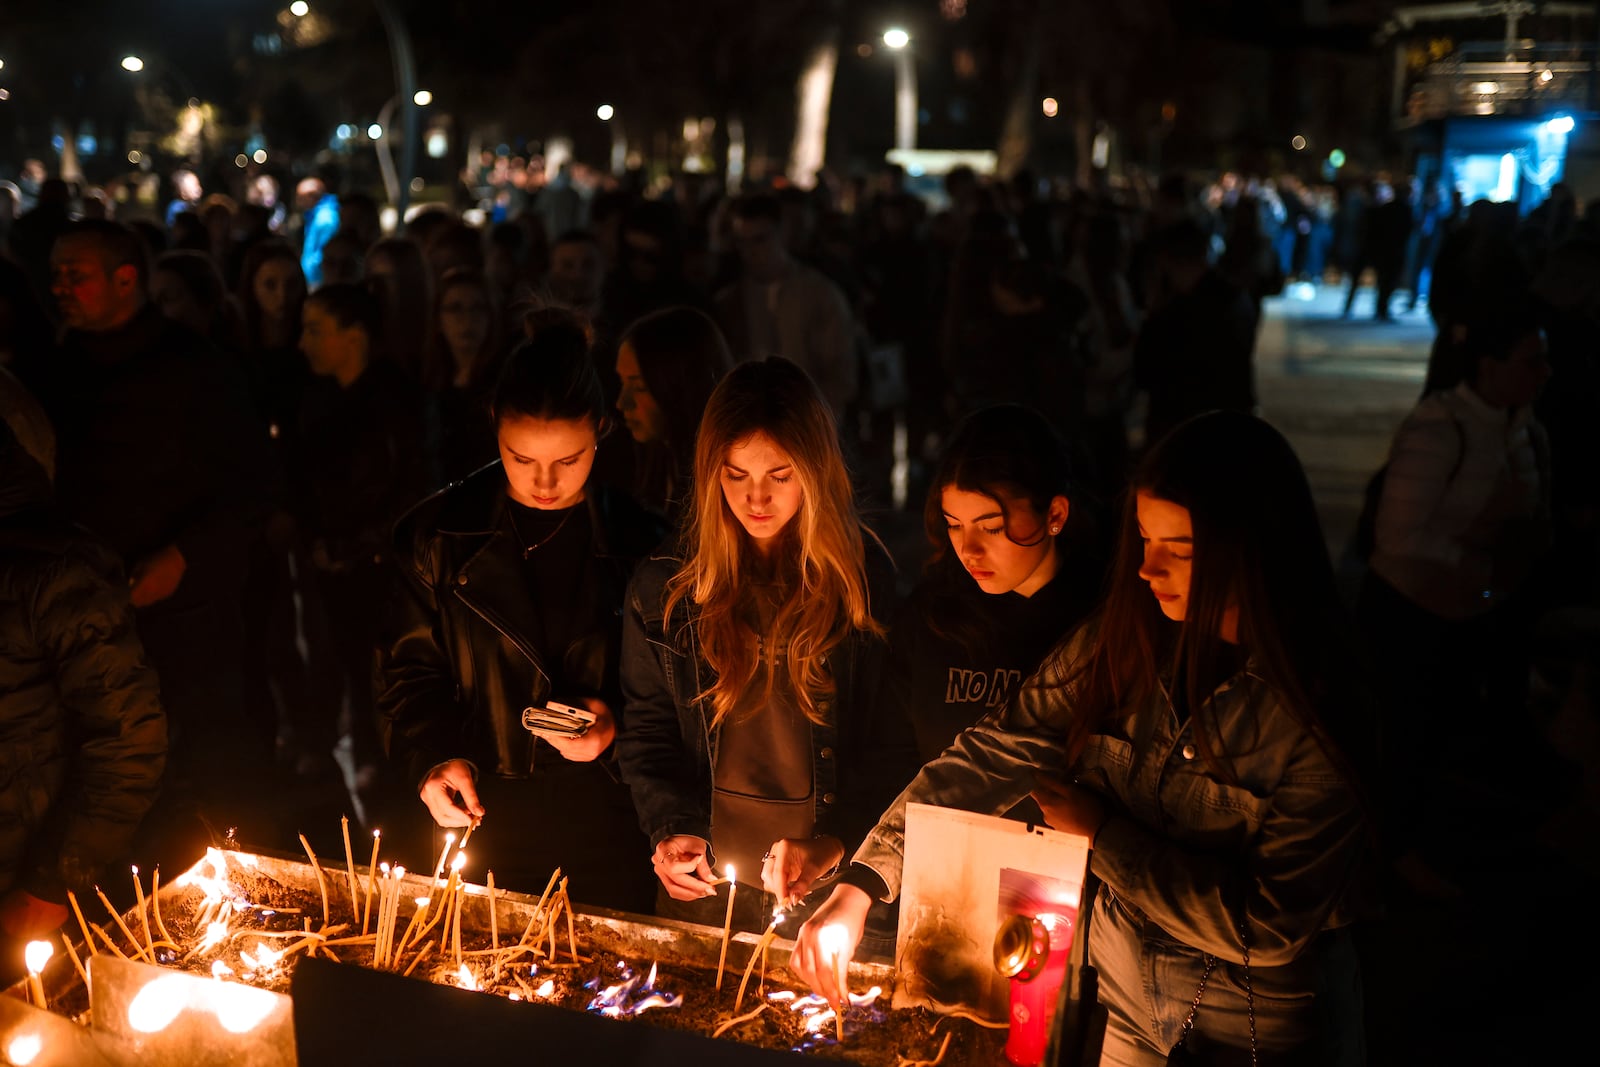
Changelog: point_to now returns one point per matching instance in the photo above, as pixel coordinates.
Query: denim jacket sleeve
(662, 766)
(1283, 844)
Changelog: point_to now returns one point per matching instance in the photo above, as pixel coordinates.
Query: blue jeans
(1308, 1012)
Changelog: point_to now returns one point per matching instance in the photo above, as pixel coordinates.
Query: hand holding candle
(834, 941)
(814, 964)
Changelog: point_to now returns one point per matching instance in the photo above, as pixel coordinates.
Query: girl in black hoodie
(1016, 565)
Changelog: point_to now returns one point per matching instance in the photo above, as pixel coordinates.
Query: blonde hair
(821, 550)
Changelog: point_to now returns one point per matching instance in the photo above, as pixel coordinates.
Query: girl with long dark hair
(1188, 731)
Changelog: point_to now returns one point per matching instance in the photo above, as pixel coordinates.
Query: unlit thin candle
(372, 879)
(350, 866)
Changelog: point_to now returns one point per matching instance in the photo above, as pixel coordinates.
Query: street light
(604, 112)
(299, 9)
(898, 41)
(380, 133)
(132, 64)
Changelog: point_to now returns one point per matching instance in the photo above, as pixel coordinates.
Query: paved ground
(1480, 980)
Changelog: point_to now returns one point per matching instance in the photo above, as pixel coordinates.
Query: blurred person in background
(668, 364)
(464, 361)
(399, 273)
(85, 734)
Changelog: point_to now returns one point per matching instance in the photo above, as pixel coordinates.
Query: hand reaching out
(680, 863)
(451, 794)
(794, 864)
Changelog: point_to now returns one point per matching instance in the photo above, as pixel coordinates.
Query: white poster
(963, 874)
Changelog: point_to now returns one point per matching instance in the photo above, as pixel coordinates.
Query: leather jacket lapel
(492, 584)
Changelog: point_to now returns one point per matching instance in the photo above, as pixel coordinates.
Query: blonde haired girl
(748, 652)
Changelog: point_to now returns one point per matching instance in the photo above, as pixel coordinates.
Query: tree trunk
(1016, 134)
(813, 98)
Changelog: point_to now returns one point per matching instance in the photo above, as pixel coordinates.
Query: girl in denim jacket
(1186, 730)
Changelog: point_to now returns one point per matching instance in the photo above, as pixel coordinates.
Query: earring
(1054, 530)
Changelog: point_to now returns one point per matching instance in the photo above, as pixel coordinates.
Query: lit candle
(833, 939)
(405, 939)
(397, 883)
(456, 864)
(144, 919)
(727, 925)
(372, 879)
(383, 909)
(155, 902)
(449, 839)
(37, 954)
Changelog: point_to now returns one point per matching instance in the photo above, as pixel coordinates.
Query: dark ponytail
(551, 376)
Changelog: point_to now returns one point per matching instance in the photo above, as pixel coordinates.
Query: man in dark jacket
(82, 734)
(160, 456)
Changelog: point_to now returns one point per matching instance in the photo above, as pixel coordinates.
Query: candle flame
(24, 1049)
(220, 970)
(466, 979)
(631, 996)
(215, 932)
(458, 861)
(833, 939)
(728, 871)
(264, 959)
(867, 999)
(398, 873)
(817, 1022)
(422, 902)
(547, 990)
(37, 954)
(214, 886)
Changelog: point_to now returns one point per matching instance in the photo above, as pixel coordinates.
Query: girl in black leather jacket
(511, 594)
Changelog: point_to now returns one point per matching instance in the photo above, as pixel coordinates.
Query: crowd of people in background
(241, 394)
